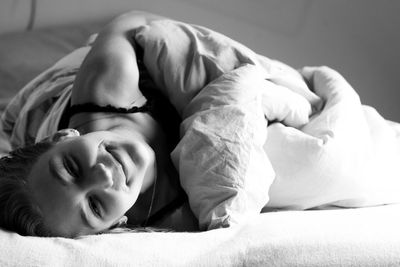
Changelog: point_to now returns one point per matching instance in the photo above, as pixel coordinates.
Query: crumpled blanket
(230, 164)
(347, 155)
(220, 158)
(35, 111)
(183, 58)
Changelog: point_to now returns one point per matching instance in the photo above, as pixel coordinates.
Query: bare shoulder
(109, 74)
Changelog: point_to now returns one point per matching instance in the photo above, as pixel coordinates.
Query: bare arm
(109, 73)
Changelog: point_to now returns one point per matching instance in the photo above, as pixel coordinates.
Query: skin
(108, 75)
(92, 180)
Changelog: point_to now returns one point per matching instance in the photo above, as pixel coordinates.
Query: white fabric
(221, 162)
(183, 58)
(346, 155)
(350, 237)
(34, 113)
(222, 165)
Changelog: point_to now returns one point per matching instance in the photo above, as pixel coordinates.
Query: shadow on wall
(359, 38)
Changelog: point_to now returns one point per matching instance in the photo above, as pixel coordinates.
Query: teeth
(118, 161)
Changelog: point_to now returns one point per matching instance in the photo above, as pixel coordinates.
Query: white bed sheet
(347, 237)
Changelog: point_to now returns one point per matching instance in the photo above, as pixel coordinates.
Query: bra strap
(91, 107)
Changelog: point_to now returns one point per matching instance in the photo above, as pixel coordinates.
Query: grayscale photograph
(199, 133)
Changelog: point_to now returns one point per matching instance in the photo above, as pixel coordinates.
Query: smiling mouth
(117, 157)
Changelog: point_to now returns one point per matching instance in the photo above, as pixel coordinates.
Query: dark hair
(18, 211)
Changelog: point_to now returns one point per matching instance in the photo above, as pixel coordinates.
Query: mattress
(336, 237)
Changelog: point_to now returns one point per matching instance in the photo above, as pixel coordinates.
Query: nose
(102, 176)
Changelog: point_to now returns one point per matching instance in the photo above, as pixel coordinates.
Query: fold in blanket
(346, 155)
(231, 162)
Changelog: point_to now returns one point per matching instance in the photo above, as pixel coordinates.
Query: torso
(170, 209)
(45, 100)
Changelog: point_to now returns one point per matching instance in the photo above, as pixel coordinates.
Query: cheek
(119, 204)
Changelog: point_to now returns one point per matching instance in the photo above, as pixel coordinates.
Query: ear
(121, 222)
(62, 135)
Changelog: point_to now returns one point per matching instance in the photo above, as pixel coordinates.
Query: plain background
(359, 38)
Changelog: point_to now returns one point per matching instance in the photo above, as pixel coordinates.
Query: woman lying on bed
(98, 135)
(85, 180)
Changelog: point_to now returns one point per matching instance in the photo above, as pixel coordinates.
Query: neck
(140, 123)
(162, 192)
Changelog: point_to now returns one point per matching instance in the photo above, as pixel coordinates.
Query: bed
(335, 237)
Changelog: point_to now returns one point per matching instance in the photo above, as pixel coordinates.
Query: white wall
(360, 38)
(14, 15)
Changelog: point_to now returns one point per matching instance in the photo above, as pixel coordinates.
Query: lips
(119, 160)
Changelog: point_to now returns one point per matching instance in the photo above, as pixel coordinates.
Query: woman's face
(85, 184)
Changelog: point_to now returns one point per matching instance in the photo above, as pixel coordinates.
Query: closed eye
(71, 166)
(95, 206)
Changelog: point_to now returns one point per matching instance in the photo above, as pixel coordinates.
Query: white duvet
(231, 164)
(296, 167)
